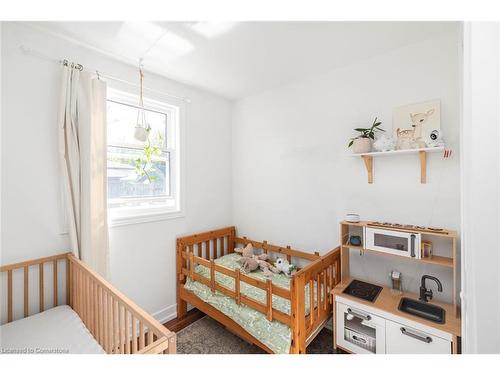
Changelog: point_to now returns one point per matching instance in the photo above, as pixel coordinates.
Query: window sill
(118, 220)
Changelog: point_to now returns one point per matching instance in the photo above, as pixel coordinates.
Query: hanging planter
(142, 127)
(144, 163)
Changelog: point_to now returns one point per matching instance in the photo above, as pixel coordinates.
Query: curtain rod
(99, 74)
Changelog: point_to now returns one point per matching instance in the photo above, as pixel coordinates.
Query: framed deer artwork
(417, 125)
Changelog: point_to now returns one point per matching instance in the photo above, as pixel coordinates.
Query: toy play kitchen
(371, 318)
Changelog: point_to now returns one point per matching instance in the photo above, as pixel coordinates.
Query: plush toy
(250, 262)
(384, 143)
(283, 266)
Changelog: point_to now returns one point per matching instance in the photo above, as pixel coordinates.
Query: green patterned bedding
(275, 335)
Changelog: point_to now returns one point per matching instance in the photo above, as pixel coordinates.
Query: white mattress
(58, 330)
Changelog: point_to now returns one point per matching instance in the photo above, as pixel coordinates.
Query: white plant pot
(362, 145)
(141, 134)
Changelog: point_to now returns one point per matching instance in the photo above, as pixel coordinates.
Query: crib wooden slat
(269, 300)
(99, 313)
(93, 309)
(237, 286)
(127, 331)
(191, 266)
(9, 296)
(80, 293)
(121, 328)
(318, 293)
(150, 336)
(141, 335)
(212, 276)
(105, 321)
(83, 300)
(96, 311)
(116, 330)
(100, 321)
(134, 334)
(26, 284)
(311, 301)
(207, 249)
(110, 323)
(76, 291)
(88, 303)
(288, 256)
(41, 296)
(325, 291)
(264, 246)
(69, 286)
(54, 278)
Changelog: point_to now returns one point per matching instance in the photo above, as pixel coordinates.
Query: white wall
(294, 179)
(481, 183)
(142, 256)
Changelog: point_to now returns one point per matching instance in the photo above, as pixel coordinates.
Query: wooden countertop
(388, 301)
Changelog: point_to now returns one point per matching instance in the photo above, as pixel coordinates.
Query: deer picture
(412, 138)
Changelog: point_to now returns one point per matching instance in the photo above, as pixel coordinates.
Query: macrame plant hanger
(142, 128)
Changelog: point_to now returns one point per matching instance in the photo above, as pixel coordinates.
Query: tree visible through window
(134, 179)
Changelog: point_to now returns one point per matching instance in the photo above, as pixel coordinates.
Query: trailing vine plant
(144, 164)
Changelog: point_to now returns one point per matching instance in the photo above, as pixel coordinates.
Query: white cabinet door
(359, 331)
(401, 339)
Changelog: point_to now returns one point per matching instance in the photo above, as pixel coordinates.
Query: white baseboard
(166, 314)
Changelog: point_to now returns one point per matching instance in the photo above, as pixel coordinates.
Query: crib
(117, 324)
(320, 271)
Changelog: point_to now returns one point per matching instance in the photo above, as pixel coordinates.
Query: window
(141, 186)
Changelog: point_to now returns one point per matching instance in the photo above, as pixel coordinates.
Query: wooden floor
(175, 325)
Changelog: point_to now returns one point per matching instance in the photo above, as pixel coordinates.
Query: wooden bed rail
(288, 251)
(117, 323)
(210, 245)
(325, 274)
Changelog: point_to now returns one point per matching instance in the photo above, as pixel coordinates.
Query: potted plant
(363, 142)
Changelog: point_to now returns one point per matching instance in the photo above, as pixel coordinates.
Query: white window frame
(174, 206)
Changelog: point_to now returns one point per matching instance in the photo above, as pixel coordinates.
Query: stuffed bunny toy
(250, 262)
(284, 266)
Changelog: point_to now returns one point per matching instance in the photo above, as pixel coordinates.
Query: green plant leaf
(350, 143)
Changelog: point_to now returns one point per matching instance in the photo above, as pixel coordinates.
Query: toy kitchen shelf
(368, 159)
(449, 262)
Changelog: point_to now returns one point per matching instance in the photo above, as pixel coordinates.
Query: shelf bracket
(369, 167)
(423, 167)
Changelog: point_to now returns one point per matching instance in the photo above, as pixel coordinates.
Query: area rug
(206, 336)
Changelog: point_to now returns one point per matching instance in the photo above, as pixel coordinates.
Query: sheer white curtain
(82, 146)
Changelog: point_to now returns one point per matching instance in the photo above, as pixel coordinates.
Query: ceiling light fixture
(211, 29)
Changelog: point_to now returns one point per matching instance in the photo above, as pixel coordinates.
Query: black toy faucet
(427, 293)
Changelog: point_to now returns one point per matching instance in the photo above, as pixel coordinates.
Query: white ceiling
(240, 59)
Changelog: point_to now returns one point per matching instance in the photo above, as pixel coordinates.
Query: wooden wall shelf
(368, 160)
(436, 259)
